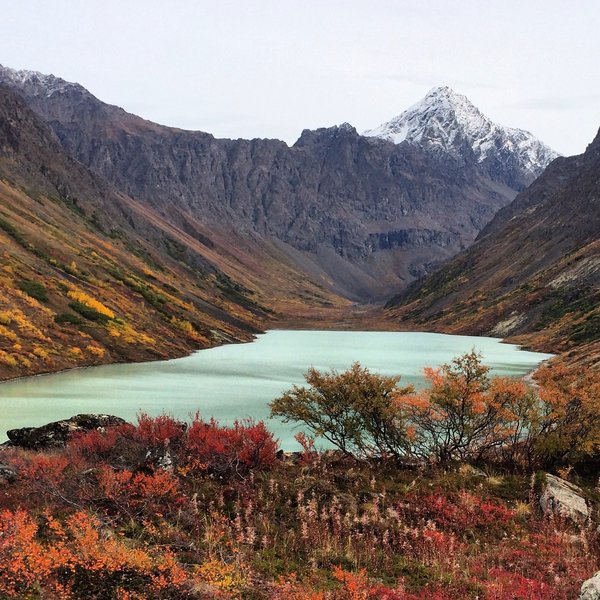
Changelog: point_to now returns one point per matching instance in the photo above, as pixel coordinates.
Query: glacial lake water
(238, 380)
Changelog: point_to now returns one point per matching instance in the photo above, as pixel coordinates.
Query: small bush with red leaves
(207, 446)
(458, 512)
(225, 450)
(160, 431)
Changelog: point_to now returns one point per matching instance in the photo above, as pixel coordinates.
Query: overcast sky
(270, 68)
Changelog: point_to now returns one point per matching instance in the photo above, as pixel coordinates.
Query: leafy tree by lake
(465, 414)
(357, 411)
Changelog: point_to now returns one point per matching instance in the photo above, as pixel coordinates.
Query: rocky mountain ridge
(90, 276)
(364, 217)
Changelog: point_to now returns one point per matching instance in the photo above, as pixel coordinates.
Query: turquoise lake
(236, 381)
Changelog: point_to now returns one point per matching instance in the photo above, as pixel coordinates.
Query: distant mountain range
(181, 240)
(360, 215)
(534, 272)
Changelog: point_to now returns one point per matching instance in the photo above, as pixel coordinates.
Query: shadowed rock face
(363, 215)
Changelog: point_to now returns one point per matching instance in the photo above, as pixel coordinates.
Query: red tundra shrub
(245, 446)
(98, 445)
(128, 445)
(506, 585)
(133, 494)
(41, 478)
(461, 512)
(158, 432)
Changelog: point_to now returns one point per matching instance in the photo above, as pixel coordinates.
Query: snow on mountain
(34, 80)
(447, 121)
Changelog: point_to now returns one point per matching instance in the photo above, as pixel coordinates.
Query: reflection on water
(236, 381)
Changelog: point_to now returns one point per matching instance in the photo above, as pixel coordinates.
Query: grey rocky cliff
(364, 215)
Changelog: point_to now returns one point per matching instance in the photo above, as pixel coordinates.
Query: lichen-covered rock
(563, 499)
(590, 590)
(56, 434)
(160, 458)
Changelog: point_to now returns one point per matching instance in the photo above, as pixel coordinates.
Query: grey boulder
(559, 498)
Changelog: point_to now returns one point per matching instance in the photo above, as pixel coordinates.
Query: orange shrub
(131, 494)
(76, 559)
(568, 429)
(95, 350)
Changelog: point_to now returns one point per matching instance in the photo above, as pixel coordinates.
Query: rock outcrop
(559, 498)
(58, 433)
(590, 590)
(7, 473)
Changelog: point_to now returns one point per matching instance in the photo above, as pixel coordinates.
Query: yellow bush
(5, 318)
(7, 359)
(75, 352)
(25, 361)
(184, 325)
(91, 303)
(95, 350)
(129, 335)
(113, 330)
(8, 334)
(40, 352)
(25, 325)
(221, 575)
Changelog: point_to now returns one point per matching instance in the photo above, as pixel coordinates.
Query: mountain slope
(89, 275)
(445, 121)
(363, 216)
(534, 272)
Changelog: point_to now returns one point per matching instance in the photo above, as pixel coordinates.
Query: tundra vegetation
(429, 494)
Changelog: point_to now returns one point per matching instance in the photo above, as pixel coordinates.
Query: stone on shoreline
(57, 433)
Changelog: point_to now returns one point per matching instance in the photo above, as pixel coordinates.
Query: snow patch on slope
(36, 81)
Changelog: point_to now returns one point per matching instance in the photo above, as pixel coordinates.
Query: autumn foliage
(356, 410)
(77, 558)
(170, 509)
(464, 414)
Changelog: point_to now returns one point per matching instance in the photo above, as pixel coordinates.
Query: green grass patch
(88, 313)
(35, 289)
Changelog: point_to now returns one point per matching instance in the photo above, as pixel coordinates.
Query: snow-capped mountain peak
(447, 121)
